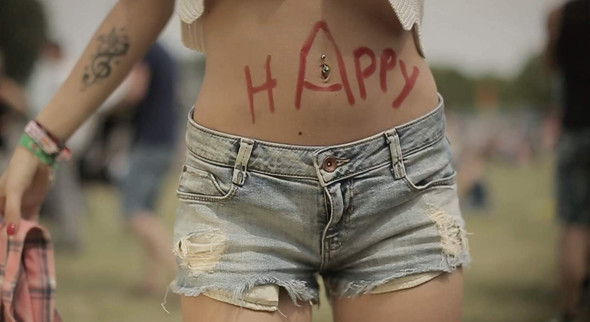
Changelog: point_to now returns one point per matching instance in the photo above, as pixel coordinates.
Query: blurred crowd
(482, 138)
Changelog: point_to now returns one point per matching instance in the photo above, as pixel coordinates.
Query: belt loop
(239, 175)
(398, 168)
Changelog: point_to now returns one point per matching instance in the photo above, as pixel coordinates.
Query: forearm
(121, 40)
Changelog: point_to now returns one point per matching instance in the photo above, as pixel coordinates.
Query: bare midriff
(266, 74)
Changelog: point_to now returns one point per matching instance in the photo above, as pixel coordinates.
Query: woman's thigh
(439, 300)
(204, 309)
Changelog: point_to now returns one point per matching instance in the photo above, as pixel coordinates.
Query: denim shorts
(255, 215)
(143, 178)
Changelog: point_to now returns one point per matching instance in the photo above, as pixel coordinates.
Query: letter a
(301, 82)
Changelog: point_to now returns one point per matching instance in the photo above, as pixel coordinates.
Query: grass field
(512, 277)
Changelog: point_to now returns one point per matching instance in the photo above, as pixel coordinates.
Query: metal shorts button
(330, 164)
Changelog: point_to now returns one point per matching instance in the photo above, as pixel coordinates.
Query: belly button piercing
(325, 69)
(325, 72)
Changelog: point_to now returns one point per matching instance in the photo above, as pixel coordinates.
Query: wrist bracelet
(47, 142)
(40, 136)
(31, 145)
(54, 138)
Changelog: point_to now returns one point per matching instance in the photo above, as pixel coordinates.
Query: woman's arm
(121, 40)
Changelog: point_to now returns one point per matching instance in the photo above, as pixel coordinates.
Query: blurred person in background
(23, 24)
(568, 52)
(316, 146)
(150, 100)
(12, 102)
(22, 36)
(12, 94)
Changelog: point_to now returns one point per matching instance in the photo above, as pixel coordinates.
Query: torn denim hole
(453, 236)
(262, 293)
(258, 298)
(200, 252)
(297, 289)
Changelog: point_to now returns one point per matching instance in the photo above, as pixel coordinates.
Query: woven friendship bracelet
(29, 143)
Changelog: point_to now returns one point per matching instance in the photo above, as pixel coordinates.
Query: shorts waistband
(327, 164)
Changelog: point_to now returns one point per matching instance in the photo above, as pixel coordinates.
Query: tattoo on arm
(111, 47)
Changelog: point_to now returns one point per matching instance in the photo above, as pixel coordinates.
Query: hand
(23, 187)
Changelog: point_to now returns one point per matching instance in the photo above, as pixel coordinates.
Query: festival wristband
(47, 142)
(40, 136)
(30, 144)
(55, 139)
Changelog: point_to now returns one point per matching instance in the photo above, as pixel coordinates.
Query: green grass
(512, 277)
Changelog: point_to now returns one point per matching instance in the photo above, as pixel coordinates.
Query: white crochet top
(408, 12)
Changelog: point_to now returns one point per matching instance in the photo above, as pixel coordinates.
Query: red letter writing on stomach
(301, 82)
(268, 86)
(410, 82)
(388, 62)
(363, 74)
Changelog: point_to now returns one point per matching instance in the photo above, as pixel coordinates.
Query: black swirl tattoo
(111, 47)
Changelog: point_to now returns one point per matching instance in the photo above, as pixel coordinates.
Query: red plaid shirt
(27, 275)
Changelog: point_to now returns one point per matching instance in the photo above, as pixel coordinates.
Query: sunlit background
(486, 56)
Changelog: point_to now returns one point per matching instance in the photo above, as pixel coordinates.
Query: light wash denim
(143, 178)
(256, 215)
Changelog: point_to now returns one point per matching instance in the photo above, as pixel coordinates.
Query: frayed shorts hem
(344, 288)
(254, 297)
(266, 297)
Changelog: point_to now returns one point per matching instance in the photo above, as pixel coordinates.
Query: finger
(3, 185)
(2, 205)
(13, 210)
(2, 194)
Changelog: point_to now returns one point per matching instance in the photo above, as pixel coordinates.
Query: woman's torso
(264, 77)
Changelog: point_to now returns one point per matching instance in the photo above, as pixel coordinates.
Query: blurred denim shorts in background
(146, 172)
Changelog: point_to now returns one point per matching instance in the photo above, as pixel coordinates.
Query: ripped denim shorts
(374, 215)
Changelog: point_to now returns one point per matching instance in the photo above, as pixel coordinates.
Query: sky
(482, 36)
(476, 36)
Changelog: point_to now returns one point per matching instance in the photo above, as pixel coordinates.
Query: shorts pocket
(201, 181)
(430, 167)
